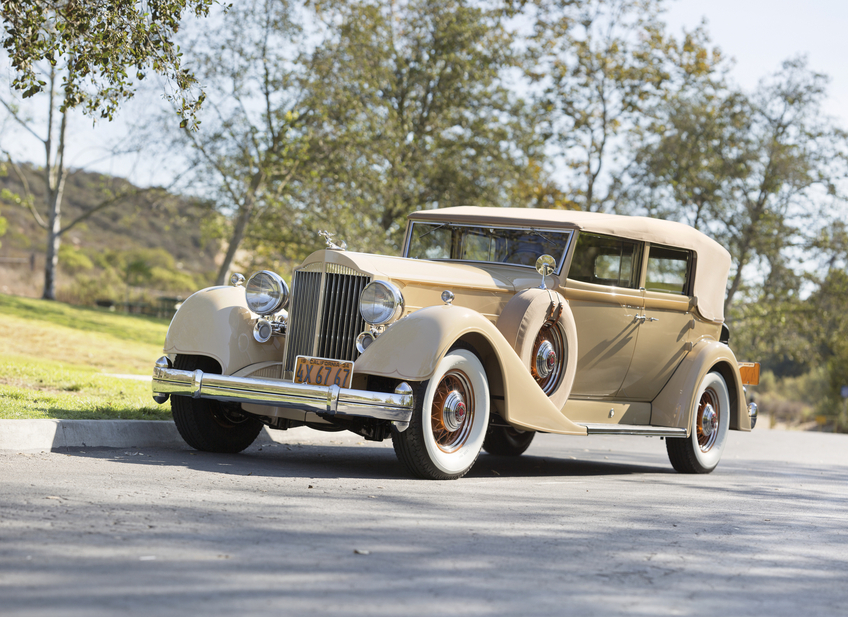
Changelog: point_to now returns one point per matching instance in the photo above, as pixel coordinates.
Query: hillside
(146, 224)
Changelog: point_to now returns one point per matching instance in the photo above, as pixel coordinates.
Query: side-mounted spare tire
(539, 325)
(209, 425)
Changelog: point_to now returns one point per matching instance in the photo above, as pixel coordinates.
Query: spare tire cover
(521, 322)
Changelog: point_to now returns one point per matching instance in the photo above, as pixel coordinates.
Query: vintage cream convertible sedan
(496, 324)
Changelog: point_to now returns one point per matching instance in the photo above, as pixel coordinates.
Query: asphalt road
(330, 525)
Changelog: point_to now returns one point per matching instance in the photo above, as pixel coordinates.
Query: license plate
(323, 371)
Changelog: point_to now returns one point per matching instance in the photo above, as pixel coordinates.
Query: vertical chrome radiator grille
(324, 315)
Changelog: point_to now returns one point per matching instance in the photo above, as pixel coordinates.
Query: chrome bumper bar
(329, 400)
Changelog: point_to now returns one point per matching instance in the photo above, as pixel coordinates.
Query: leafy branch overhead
(106, 47)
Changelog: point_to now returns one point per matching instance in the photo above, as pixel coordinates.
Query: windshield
(440, 241)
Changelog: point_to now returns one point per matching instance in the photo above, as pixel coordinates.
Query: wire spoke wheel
(449, 420)
(452, 411)
(702, 450)
(706, 420)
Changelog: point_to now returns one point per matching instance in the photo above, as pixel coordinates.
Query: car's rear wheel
(702, 450)
(449, 419)
(208, 425)
(507, 441)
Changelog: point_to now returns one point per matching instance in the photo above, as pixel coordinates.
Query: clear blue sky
(760, 34)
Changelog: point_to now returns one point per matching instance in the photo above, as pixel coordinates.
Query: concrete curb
(50, 435)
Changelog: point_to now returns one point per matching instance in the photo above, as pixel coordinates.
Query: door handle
(644, 318)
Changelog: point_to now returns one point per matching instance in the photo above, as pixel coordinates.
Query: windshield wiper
(434, 229)
(544, 237)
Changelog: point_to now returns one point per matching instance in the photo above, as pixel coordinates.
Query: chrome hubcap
(546, 359)
(549, 353)
(453, 411)
(709, 421)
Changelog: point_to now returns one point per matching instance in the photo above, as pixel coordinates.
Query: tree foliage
(252, 147)
(4, 170)
(417, 114)
(105, 46)
(761, 173)
(602, 68)
(380, 111)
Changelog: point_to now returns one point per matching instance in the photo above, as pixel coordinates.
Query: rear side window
(605, 260)
(669, 270)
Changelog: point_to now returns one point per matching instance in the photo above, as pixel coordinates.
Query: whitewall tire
(702, 450)
(449, 420)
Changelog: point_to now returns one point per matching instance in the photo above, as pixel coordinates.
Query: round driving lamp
(380, 303)
(266, 293)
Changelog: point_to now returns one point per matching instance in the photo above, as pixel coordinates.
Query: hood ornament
(328, 238)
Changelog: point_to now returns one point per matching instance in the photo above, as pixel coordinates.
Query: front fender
(674, 404)
(411, 349)
(216, 322)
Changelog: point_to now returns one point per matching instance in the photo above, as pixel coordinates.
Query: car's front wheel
(449, 420)
(701, 451)
(208, 425)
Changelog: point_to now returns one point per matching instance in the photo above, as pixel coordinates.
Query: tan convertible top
(713, 260)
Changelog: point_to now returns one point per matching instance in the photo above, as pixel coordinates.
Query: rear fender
(216, 322)
(675, 403)
(411, 349)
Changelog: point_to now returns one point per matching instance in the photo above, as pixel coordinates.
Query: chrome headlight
(380, 303)
(266, 293)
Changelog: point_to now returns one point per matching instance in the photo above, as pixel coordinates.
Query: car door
(602, 291)
(665, 322)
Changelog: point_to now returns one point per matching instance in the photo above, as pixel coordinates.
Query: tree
(824, 323)
(55, 173)
(689, 154)
(417, 114)
(758, 173)
(601, 68)
(799, 159)
(252, 145)
(81, 54)
(4, 170)
(105, 47)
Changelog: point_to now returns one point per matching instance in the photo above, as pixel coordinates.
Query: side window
(605, 260)
(669, 270)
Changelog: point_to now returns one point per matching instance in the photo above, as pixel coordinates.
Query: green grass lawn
(56, 361)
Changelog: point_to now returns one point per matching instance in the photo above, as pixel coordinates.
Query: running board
(633, 429)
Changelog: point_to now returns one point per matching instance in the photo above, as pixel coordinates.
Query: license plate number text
(323, 372)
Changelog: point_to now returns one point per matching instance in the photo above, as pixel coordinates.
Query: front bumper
(326, 400)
